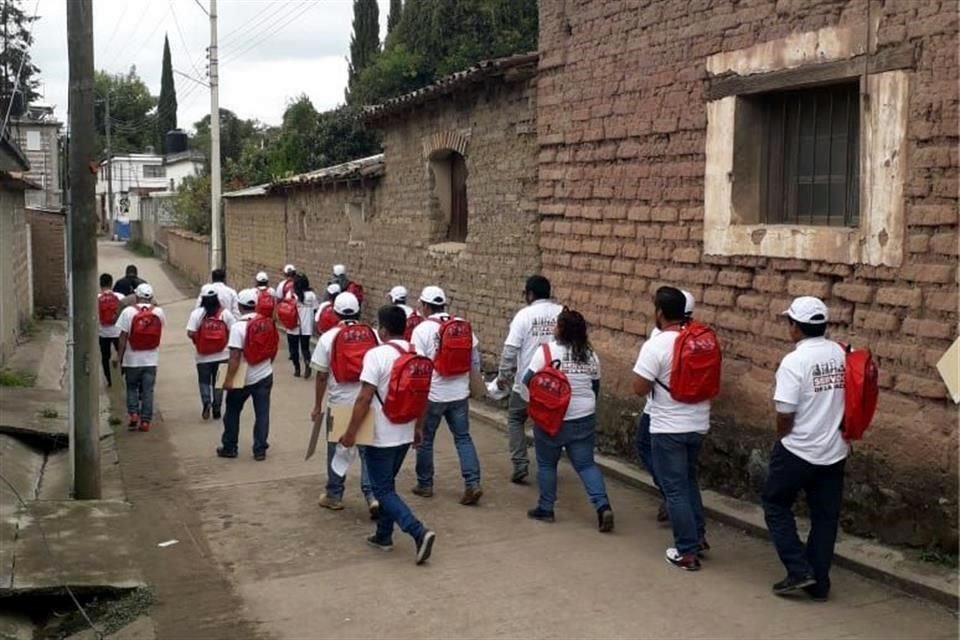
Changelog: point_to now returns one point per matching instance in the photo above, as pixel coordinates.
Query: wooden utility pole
(216, 235)
(82, 245)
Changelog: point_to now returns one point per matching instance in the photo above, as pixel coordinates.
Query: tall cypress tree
(393, 18)
(167, 105)
(365, 42)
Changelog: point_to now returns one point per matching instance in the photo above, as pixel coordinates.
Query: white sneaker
(374, 506)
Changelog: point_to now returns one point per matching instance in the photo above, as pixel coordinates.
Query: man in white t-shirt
(139, 361)
(109, 303)
(211, 398)
(257, 384)
(811, 452)
(677, 430)
(398, 296)
(326, 317)
(449, 400)
(390, 441)
(262, 283)
(338, 394)
(531, 327)
(227, 294)
(285, 286)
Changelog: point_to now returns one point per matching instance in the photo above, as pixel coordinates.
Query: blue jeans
(823, 486)
(457, 415)
(207, 381)
(675, 458)
(140, 383)
(336, 484)
(236, 398)
(577, 437)
(645, 446)
(383, 464)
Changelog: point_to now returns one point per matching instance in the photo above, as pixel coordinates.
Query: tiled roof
(246, 192)
(370, 167)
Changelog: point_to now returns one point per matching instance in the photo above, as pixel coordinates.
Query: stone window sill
(448, 248)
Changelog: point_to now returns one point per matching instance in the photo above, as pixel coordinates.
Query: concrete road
(257, 558)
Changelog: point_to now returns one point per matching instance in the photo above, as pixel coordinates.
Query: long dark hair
(301, 284)
(210, 304)
(571, 332)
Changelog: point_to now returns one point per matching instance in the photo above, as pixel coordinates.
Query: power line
(23, 58)
(117, 25)
(265, 25)
(183, 41)
(237, 54)
(248, 23)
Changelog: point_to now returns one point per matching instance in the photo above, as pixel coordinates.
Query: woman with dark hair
(298, 339)
(209, 329)
(570, 351)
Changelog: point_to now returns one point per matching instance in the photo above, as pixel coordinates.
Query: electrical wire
(16, 81)
(238, 54)
(234, 33)
(264, 25)
(183, 41)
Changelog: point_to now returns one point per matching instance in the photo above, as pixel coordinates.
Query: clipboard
(241, 375)
(339, 420)
(949, 368)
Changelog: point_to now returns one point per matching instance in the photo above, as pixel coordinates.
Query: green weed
(11, 378)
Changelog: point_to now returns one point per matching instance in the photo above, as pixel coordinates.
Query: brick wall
(190, 254)
(256, 238)
(15, 281)
(48, 237)
(621, 127)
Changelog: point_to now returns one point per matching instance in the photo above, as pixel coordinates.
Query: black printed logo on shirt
(541, 327)
(828, 376)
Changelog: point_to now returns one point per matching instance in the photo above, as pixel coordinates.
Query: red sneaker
(144, 425)
(132, 421)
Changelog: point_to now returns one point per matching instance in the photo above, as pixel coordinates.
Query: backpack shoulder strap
(547, 358)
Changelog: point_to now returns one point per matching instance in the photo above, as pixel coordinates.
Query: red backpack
(107, 306)
(212, 335)
(288, 314)
(549, 395)
(356, 289)
(266, 303)
(328, 319)
(697, 360)
(455, 350)
(349, 346)
(261, 341)
(409, 386)
(861, 390)
(413, 321)
(145, 329)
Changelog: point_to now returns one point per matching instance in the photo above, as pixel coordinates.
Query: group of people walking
(413, 371)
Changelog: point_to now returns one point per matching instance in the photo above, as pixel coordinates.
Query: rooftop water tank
(175, 142)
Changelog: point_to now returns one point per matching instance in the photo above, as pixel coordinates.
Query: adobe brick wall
(14, 291)
(48, 253)
(256, 238)
(621, 127)
(190, 254)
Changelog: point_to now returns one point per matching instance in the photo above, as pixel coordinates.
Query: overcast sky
(271, 50)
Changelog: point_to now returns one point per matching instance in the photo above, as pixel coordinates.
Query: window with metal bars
(810, 173)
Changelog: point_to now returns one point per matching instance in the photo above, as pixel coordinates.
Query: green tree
(365, 42)
(342, 137)
(393, 18)
(16, 39)
(167, 105)
(297, 149)
(234, 133)
(191, 204)
(133, 122)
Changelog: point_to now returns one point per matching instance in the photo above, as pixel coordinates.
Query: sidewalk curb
(873, 560)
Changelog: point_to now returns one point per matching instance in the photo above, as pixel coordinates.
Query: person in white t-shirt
(677, 431)
(390, 441)
(140, 363)
(227, 294)
(109, 303)
(531, 327)
(298, 339)
(810, 454)
(257, 384)
(322, 319)
(398, 296)
(449, 400)
(211, 398)
(285, 286)
(262, 283)
(338, 394)
(572, 351)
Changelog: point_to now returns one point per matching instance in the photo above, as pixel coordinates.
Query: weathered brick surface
(190, 254)
(621, 127)
(48, 240)
(14, 289)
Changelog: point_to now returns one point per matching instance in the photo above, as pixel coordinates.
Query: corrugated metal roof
(246, 192)
(370, 167)
(450, 84)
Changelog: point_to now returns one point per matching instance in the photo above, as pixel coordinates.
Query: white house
(138, 174)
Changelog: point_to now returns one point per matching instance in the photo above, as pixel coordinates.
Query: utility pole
(109, 162)
(216, 235)
(82, 230)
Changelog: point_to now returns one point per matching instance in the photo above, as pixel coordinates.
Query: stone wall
(256, 238)
(48, 253)
(15, 283)
(190, 254)
(621, 128)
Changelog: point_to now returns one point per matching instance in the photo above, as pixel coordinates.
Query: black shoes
(519, 476)
(541, 514)
(605, 519)
(662, 514)
(260, 457)
(380, 545)
(309, 372)
(223, 453)
(793, 583)
(425, 546)
(206, 412)
(216, 413)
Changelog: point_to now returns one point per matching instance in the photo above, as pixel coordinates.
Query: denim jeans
(236, 398)
(140, 383)
(675, 458)
(296, 345)
(457, 415)
(336, 484)
(383, 464)
(516, 420)
(207, 381)
(577, 437)
(645, 446)
(105, 344)
(823, 486)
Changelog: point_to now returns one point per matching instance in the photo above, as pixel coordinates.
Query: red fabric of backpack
(145, 329)
(107, 306)
(697, 362)
(266, 303)
(356, 289)
(349, 346)
(212, 335)
(328, 319)
(861, 390)
(409, 386)
(262, 340)
(413, 321)
(549, 395)
(288, 314)
(455, 351)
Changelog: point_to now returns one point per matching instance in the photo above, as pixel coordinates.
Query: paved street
(258, 559)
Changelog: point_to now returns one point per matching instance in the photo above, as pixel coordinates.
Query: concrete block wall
(48, 252)
(256, 239)
(15, 284)
(190, 254)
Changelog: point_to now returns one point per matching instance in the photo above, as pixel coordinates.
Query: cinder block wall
(190, 254)
(48, 236)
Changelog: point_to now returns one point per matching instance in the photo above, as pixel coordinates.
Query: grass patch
(49, 412)
(114, 421)
(11, 378)
(140, 249)
(942, 558)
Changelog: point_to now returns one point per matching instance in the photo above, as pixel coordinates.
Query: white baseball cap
(346, 304)
(289, 269)
(339, 269)
(248, 297)
(207, 291)
(397, 294)
(144, 291)
(333, 288)
(262, 277)
(808, 310)
(433, 295)
(689, 304)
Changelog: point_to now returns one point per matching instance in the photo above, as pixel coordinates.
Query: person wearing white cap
(141, 326)
(108, 334)
(285, 287)
(342, 392)
(227, 294)
(209, 330)
(298, 337)
(449, 393)
(262, 281)
(326, 316)
(398, 297)
(810, 453)
(346, 284)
